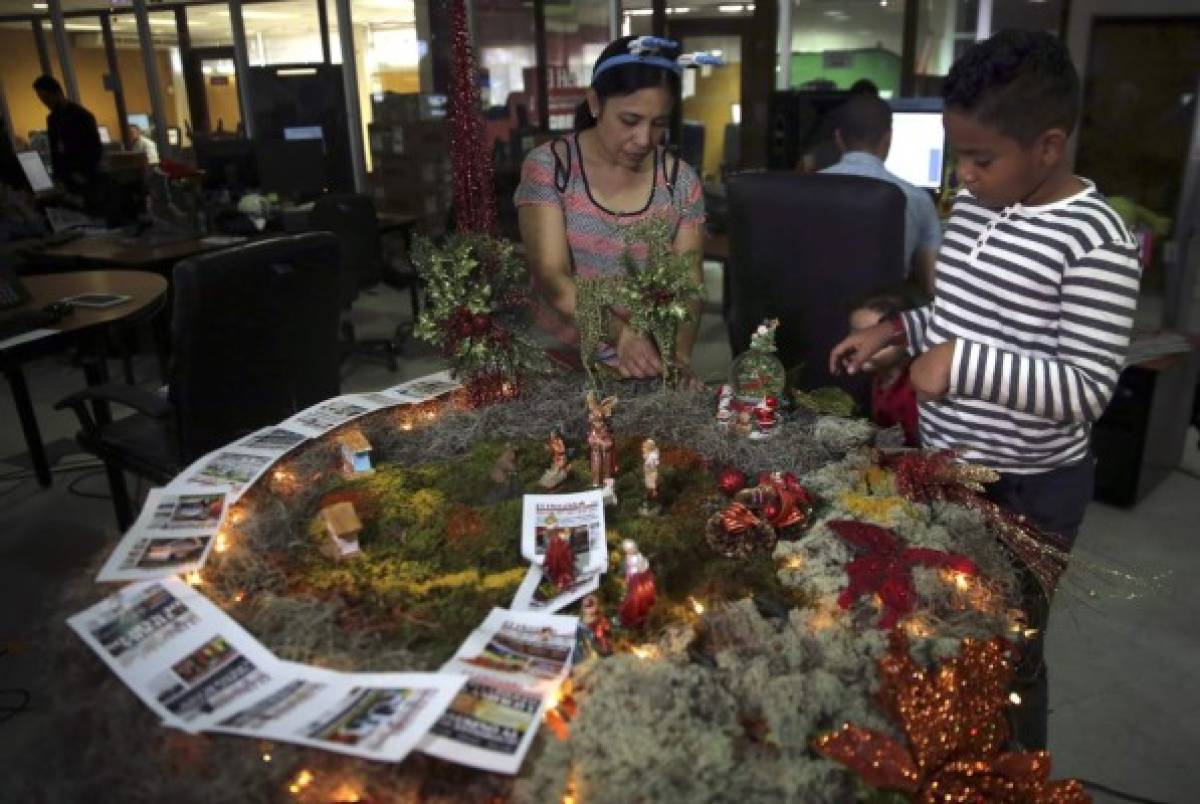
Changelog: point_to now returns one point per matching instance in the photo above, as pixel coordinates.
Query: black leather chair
(254, 340)
(352, 218)
(805, 249)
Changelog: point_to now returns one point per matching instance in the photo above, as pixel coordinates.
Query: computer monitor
(142, 121)
(918, 142)
(295, 169)
(173, 135)
(227, 163)
(105, 137)
(35, 171)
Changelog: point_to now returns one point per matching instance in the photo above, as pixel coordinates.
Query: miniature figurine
(505, 467)
(559, 469)
(559, 563)
(650, 462)
(766, 420)
(601, 453)
(639, 587)
(744, 423)
(342, 527)
(598, 627)
(356, 453)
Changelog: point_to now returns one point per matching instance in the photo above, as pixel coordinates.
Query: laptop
(35, 172)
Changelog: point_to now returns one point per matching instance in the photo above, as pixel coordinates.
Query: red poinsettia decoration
(954, 726)
(885, 567)
(925, 476)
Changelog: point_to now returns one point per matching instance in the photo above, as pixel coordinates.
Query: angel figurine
(650, 461)
(601, 453)
(639, 586)
(559, 469)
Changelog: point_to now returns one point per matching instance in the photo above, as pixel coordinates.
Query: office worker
(863, 134)
(579, 192)
(142, 145)
(75, 147)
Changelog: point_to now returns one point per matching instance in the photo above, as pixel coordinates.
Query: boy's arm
(916, 321)
(1099, 297)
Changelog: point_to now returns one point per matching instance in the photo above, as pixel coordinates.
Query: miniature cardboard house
(356, 452)
(342, 527)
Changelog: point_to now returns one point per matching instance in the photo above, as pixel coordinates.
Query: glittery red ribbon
(470, 156)
(885, 568)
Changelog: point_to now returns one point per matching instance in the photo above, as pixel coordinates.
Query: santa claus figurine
(639, 587)
(766, 418)
(559, 565)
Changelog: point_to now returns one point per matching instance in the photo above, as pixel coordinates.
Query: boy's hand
(859, 347)
(930, 373)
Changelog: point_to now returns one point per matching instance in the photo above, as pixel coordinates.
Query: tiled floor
(1125, 673)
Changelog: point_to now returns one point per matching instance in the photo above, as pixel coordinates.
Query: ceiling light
(75, 26)
(731, 9)
(639, 12)
(40, 6)
(678, 10)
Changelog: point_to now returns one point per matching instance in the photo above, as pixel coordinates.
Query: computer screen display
(173, 135)
(35, 171)
(142, 121)
(303, 133)
(918, 148)
(105, 137)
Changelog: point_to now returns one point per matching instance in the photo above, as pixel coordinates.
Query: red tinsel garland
(474, 188)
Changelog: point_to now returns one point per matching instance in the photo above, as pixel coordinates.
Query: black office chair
(352, 218)
(254, 340)
(805, 249)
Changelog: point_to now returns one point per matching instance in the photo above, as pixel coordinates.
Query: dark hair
(48, 83)
(864, 121)
(864, 86)
(886, 304)
(626, 79)
(1021, 83)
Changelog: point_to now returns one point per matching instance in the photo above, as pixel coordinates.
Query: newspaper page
(514, 662)
(275, 440)
(328, 415)
(173, 534)
(577, 517)
(380, 716)
(422, 389)
(538, 593)
(232, 469)
(184, 657)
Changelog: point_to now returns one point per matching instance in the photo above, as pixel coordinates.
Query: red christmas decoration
(885, 567)
(753, 520)
(470, 156)
(954, 731)
(639, 599)
(731, 481)
(925, 476)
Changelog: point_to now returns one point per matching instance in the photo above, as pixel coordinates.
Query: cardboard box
(424, 139)
(391, 108)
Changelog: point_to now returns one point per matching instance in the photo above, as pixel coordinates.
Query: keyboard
(22, 321)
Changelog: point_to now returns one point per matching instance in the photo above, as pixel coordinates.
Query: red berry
(731, 481)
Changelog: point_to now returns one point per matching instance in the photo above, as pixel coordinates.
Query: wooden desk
(121, 251)
(84, 327)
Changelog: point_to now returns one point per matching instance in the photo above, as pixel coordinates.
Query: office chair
(805, 249)
(352, 219)
(254, 335)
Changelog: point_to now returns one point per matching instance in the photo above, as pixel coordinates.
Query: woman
(578, 194)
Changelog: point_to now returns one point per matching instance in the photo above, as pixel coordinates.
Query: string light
(266, 757)
(222, 543)
(697, 606)
(239, 597)
(303, 779)
(345, 792)
(194, 578)
(645, 651)
(1014, 699)
(793, 563)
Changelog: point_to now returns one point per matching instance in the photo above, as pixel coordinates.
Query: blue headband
(642, 50)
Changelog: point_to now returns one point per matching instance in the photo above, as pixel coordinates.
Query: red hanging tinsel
(470, 156)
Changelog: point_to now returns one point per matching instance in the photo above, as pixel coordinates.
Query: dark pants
(1055, 501)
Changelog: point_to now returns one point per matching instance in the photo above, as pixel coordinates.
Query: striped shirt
(1040, 303)
(596, 235)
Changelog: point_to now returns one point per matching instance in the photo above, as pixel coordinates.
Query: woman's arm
(544, 233)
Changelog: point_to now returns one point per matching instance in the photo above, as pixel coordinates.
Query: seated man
(864, 135)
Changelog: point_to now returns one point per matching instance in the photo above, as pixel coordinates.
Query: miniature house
(356, 452)
(342, 527)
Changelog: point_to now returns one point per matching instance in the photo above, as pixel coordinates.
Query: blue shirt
(921, 227)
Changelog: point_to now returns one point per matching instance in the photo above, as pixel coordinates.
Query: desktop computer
(293, 168)
(918, 150)
(227, 164)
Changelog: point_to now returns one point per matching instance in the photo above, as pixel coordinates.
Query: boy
(1037, 282)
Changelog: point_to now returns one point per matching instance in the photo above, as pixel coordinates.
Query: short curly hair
(1020, 82)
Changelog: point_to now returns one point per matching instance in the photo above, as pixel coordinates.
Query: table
(122, 251)
(84, 327)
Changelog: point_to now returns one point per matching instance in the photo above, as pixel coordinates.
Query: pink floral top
(553, 175)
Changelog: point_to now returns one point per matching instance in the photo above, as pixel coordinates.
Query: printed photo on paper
(234, 470)
(173, 534)
(577, 518)
(328, 415)
(277, 440)
(538, 593)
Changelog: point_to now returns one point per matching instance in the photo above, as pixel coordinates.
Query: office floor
(1124, 680)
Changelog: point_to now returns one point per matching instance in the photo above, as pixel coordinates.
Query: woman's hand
(636, 355)
(856, 350)
(686, 379)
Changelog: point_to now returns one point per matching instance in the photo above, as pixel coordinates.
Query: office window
(835, 44)
(19, 67)
(575, 36)
(506, 54)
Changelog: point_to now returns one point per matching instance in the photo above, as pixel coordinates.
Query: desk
(84, 327)
(121, 251)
